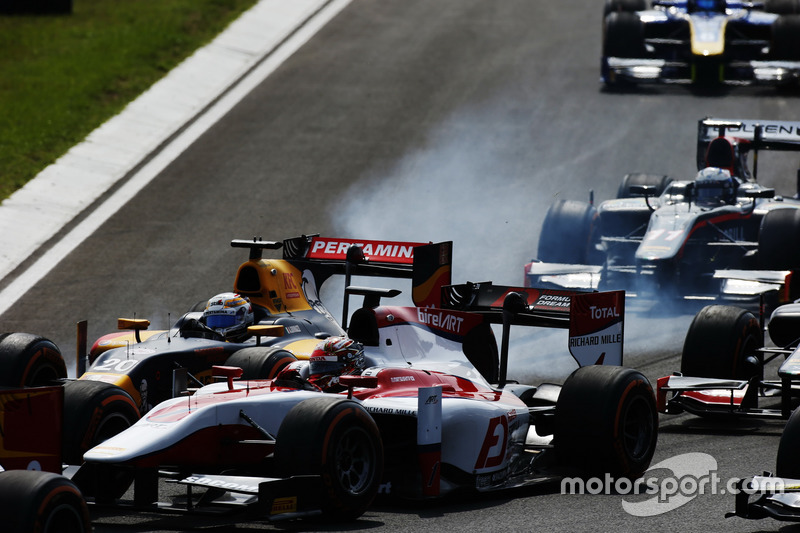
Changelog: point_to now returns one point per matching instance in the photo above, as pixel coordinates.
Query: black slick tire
(337, 439)
(32, 501)
(722, 342)
(568, 233)
(606, 422)
(787, 463)
(28, 360)
(261, 362)
(95, 411)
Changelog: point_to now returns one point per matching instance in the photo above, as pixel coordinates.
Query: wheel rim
(637, 428)
(355, 460)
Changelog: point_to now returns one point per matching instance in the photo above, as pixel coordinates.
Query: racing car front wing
(619, 69)
(274, 499)
(777, 498)
(728, 397)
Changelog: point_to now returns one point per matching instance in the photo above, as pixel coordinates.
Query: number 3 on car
(495, 442)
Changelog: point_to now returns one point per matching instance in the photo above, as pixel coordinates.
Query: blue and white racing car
(701, 41)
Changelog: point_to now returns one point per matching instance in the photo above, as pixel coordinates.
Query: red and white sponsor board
(375, 251)
(596, 328)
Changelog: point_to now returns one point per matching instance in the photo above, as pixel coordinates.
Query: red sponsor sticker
(376, 251)
(595, 311)
(596, 327)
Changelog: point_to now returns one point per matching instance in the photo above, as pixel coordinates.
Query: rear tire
(782, 7)
(779, 240)
(28, 360)
(32, 501)
(659, 181)
(779, 243)
(568, 234)
(606, 422)
(722, 342)
(261, 362)
(623, 5)
(786, 38)
(338, 439)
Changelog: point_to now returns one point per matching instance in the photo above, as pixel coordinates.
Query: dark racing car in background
(719, 236)
(701, 41)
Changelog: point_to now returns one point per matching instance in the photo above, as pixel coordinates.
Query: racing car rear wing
(595, 319)
(428, 265)
(780, 135)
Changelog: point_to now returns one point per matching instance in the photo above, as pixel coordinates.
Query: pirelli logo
(284, 505)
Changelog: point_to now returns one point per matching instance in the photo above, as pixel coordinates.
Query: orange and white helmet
(334, 357)
(229, 315)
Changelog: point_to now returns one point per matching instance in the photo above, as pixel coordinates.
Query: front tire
(623, 35)
(568, 233)
(784, 326)
(787, 463)
(32, 501)
(95, 411)
(339, 440)
(606, 422)
(722, 342)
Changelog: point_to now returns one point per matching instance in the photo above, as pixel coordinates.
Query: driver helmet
(229, 314)
(707, 5)
(715, 185)
(334, 357)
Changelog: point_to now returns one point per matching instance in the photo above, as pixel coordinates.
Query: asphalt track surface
(412, 120)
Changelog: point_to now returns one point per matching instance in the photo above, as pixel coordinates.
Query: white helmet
(229, 315)
(714, 185)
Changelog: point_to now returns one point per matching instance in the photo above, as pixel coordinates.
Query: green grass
(61, 76)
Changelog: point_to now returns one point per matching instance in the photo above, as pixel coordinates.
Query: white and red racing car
(420, 421)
